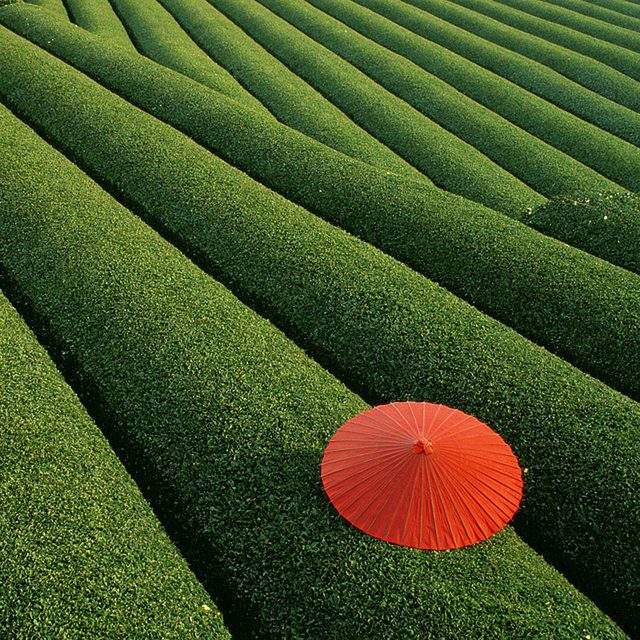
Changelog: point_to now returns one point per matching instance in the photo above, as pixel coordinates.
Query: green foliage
(98, 17)
(161, 38)
(81, 553)
(625, 61)
(378, 324)
(55, 6)
(536, 78)
(526, 156)
(593, 27)
(621, 6)
(436, 233)
(610, 15)
(227, 420)
(604, 224)
(450, 162)
(284, 93)
(588, 72)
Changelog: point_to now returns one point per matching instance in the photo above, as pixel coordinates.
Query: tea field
(229, 226)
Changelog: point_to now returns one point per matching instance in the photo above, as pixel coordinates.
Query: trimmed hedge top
(520, 70)
(560, 297)
(161, 38)
(227, 421)
(590, 73)
(99, 17)
(382, 327)
(81, 553)
(604, 224)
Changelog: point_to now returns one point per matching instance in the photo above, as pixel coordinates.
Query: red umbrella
(422, 475)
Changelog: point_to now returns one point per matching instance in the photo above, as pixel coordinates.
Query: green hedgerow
(590, 73)
(604, 224)
(451, 163)
(162, 39)
(285, 94)
(99, 17)
(494, 62)
(82, 555)
(546, 170)
(384, 328)
(623, 16)
(444, 237)
(55, 6)
(226, 421)
(621, 6)
(600, 30)
(619, 58)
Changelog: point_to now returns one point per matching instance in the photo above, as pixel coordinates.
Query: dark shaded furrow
(588, 72)
(539, 165)
(616, 57)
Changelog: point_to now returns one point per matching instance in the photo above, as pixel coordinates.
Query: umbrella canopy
(422, 475)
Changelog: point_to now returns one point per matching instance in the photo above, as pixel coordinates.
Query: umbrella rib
(384, 504)
(430, 431)
(420, 502)
(388, 459)
(439, 482)
(411, 428)
(361, 480)
(489, 438)
(462, 459)
(470, 495)
(394, 421)
(471, 452)
(475, 424)
(413, 415)
(503, 452)
(376, 417)
(438, 428)
(399, 502)
(406, 520)
(456, 498)
(433, 506)
(331, 462)
(483, 471)
(386, 427)
(379, 442)
(479, 478)
(444, 506)
(364, 454)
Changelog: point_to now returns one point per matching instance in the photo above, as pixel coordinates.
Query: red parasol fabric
(422, 475)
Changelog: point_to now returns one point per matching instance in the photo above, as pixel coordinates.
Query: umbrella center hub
(423, 446)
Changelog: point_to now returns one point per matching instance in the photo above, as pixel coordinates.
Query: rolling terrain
(228, 226)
